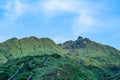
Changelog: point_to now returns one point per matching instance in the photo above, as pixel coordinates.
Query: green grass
(42, 59)
(44, 67)
(14, 48)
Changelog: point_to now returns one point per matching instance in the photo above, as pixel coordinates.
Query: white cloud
(14, 8)
(53, 5)
(83, 22)
(85, 19)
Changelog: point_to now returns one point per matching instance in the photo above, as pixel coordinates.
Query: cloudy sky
(61, 20)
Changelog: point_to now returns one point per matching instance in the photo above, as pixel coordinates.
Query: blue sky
(61, 20)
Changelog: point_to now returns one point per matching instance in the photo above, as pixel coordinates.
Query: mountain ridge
(43, 59)
(16, 48)
(85, 48)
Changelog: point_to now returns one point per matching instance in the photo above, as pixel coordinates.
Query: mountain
(16, 48)
(94, 55)
(42, 59)
(91, 53)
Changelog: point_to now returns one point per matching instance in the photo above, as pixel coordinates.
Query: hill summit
(29, 46)
(33, 58)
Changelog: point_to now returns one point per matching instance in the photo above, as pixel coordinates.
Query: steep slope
(52, 67)
(44, 67)
(84, 48)
(89, 53)
(15, 48)
(41, 59)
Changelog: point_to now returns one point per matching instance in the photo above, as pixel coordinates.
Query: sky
(61, 20)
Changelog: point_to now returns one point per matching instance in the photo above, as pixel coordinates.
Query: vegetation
(14, 48)
(44, 67)
(41, 59)
(91, 53)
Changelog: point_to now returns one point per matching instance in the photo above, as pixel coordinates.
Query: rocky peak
(80, 37)
(79, 43)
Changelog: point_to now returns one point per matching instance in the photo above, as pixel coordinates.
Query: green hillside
(91, 53)
(42, 59)
(45, 67)
(16, 48)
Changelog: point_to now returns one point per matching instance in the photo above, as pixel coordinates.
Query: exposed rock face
(79, 43)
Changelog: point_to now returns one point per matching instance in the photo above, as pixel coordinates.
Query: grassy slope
(89, 53)
(52, 67)
(44, 67)
(14, 48)
(92, 52)
(85, 60)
